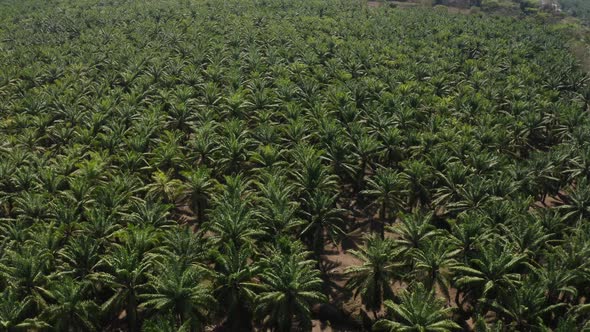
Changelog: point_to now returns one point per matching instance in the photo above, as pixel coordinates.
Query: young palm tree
(373, 279)
(289, 286)
(418, 310)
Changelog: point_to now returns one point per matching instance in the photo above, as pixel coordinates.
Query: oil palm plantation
(149, 170)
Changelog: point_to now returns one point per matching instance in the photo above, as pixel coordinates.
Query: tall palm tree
(199, 186)
(323, 218)
(492, 273)
(386, 187)
(26, 271)
(69, 308)
(289, 285)
(182, 291)
(234, 287)
(414, 229)
(418, 310)
(525, 308)
(380, 267)
(277, 209)
(124, 271)
(433, 263)
(13, 312)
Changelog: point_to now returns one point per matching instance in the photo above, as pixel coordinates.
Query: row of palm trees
(186, 165)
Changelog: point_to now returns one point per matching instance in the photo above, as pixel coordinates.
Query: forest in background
(577, 8)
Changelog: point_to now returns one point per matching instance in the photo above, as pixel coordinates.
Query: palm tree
(267, 156)
(69, 308)
(199, 186)
(472, 196)
(26, 271)
(100, 225)
(124, 271)
(233, 152)
(80, 256)
(525, 308)
(418, 310)
(150, 213)
(467, 232)
(310, 174)
(289, 285)
(372, 280)
(277, 210)
(492, 273)
(185, 245)
(450, 183)
(417, 177)
(13, 311)
(181, 290)
(232, 219)
(433, 263)
(164, 187)
(527, 235)
(234, 285)
(413, 230)
(366, 149)
(577, 204)
(323, 218)
(385, 187)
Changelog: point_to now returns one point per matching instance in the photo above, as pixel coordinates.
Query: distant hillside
(577, 8)
(503, 6)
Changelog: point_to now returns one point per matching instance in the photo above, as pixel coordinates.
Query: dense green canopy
(180, 164)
